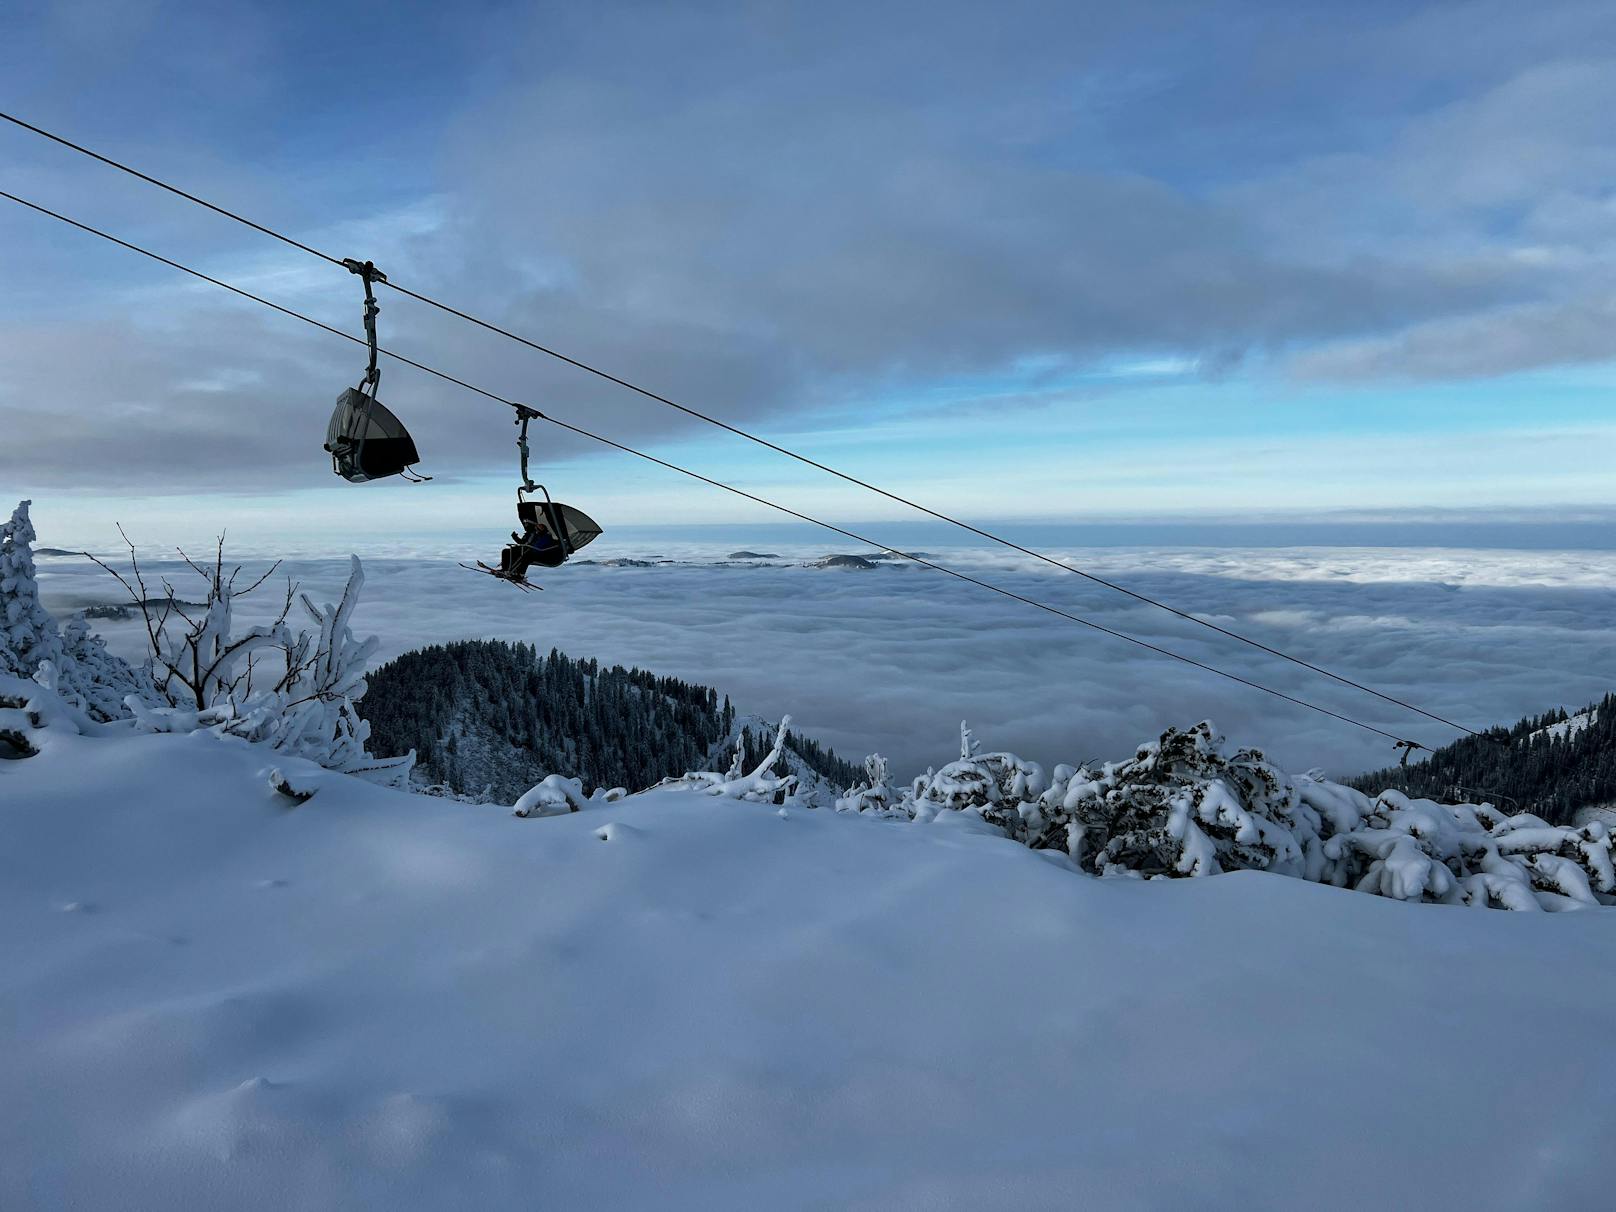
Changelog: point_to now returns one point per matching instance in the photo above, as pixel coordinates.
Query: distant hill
(1551, 765)
(131, 610)
(843, 561)
(489, 716)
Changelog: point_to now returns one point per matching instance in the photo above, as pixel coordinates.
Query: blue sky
(1033, 262)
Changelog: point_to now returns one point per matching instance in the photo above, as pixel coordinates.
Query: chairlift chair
(364, 439)
(549, 531)
(571, 528)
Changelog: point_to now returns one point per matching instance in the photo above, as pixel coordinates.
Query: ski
(479, 566)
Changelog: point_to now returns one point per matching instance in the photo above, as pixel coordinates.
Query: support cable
(758, 439)
(523, 409)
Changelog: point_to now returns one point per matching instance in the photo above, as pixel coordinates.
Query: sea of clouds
(891, 659)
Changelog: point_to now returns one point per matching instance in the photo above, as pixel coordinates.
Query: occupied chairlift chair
(550, 531)
(364, 439)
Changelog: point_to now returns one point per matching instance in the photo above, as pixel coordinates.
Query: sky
(1035, 264)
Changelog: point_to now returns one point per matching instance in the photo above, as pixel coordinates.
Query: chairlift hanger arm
(524, 414)
(370, 275)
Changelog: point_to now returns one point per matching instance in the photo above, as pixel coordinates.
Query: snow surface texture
(217, 995)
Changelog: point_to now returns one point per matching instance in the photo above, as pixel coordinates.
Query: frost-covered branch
(204, 671)
(762, 784)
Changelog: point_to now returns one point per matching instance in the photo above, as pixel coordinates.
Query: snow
(1604, 813)
(214, 995)
(1570, 726)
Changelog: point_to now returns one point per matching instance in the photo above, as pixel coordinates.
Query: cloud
(1500, 342)
(851, 223)
(893, 659)
(1505, 189)
(785, 212)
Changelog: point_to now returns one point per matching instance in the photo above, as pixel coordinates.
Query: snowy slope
(1571, 725)
(212, 998)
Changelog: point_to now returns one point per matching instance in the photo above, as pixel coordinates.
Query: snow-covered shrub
(1185, 806)
(95, 679)
(1472, 854)
(31, 708)
(1000, 786)
(83, 672)
(206, 675)
(875, 794)
(557, 795)
(750, 739)
(16, 724)
(203, 671)
(761, 785)
(297, 787)
(1179, 806)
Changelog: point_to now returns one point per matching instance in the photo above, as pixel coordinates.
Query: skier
(532, 546)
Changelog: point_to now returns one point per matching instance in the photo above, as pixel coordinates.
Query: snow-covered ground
(212, 997)
(1571, 725)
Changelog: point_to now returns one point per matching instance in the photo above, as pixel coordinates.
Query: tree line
(492, 718)
(1525, 767)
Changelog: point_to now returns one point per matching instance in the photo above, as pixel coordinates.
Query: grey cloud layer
(779, 208)
(893, 659)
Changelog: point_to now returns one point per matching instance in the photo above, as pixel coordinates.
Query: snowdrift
(214, 994)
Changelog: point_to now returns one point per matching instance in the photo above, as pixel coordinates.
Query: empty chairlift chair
(365, 440)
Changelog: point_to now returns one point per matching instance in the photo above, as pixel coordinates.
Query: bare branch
(268, 573)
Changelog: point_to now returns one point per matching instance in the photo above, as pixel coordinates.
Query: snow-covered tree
(28, 635)
(73, 660)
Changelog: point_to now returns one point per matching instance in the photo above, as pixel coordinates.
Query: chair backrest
(366, 441)
(570, 528)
